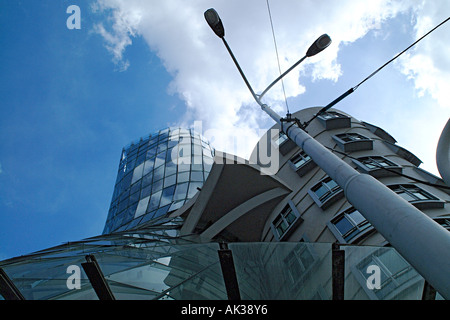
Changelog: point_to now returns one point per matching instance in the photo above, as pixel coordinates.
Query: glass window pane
(290, 217)
(281, 138)
(151, 152)
(321, 191)
(208, 162)
(332, 184)
(196, 176)
(180, 191)
(161, 211)
(157, 186)
(184, 167)
(176, 205)
(169, 181)
(146, 191)
(421, 195)
(282, 227)
(393, 262)
(158, 173)
(343, 225)
(356, 217)
(382, 163)
(167, 195)
(306, 258)
(146, 180)
(183, 177)
(173, 141)
(193, 188)
(184, 151)
(198, 150)
(171, 156)
(142, 207)
(134, 198)
(298, 161)
(135, 187)
(137, 173)
(170, 170)
(148, 166)
(197, 163)
(162, 147)
(154, 201)
(406, 196)
(160, 159)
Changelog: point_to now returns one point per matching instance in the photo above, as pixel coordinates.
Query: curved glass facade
(157, 175)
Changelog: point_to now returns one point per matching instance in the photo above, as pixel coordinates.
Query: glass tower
(156, 176)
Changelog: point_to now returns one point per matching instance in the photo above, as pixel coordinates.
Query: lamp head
(213, 19)
(320, 44)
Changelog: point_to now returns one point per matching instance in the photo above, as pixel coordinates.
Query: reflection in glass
(157, 170)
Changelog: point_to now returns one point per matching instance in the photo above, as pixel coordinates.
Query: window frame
(291, 225)
(336, 121)
(377, 171)
(364, 227)
(444, 222)
(375, 258)
(362, 143)
(305, 167)
(285, 146)
(296, 257)
(333, 194)
(430, 202)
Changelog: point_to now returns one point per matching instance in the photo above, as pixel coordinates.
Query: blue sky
(71, 99)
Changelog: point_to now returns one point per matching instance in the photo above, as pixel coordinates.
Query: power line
(276, 51)
(353, 89)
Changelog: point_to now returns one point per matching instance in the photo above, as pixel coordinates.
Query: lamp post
(214, 21)
(420, 240)
(320, 44)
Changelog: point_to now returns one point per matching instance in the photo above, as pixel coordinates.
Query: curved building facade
(317, 210)
(156, 176)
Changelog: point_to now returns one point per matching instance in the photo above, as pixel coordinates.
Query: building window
(326, 192)
(299, 262)
(352, 141)
(350, 226)
(280, 139)
(334, 120)
(300, 159)
(397, 277)
(376, 165)
(301, 163)
(445, 222)
(283, 143)
(417, 196)
(286, 221)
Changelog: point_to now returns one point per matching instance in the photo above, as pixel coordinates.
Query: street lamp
(214, 21)
(420, 240)
(320, 44)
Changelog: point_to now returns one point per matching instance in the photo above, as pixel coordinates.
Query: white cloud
(207, 80)
(124, 24)
(428, 65)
